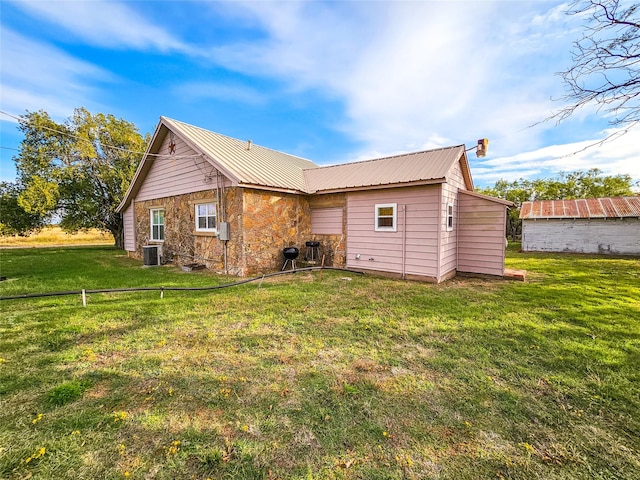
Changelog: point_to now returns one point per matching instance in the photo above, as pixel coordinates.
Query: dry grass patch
(54, 236)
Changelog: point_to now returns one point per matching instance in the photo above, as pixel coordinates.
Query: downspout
(223, 215)
(504, 229)
(439, 232)
(404, 241)
(456, 224)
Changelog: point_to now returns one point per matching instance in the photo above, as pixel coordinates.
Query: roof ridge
(406, 154)
(235, 139)
(584, 198)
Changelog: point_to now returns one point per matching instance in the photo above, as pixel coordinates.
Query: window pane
(385, 222)
(385, 211)
(161, 232)
(206, 216)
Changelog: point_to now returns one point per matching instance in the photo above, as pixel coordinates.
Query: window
(449, 217)
(206, 217)
(157, 225)
(386, 217)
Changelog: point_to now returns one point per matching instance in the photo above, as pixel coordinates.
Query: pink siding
(176, 174)
(419, 205)
(129, 229)
(449, 239)
(326, 221)
(481, 235)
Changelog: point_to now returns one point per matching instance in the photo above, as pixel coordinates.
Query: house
(593, 225)
(204, 197)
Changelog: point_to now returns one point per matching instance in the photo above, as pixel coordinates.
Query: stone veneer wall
(182, 244)
(262, 224)
(272, 221)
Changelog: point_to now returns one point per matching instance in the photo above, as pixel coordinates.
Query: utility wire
(103, 145)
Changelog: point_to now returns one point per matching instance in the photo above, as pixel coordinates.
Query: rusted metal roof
(430, 166)
(613, 207)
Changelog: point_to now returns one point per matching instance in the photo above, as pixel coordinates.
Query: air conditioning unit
(151, 255)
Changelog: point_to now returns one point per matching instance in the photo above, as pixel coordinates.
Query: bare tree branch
(606, 62)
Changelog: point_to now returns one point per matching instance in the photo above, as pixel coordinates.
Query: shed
(593, 225)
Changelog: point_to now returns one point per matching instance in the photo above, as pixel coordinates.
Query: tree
(79, 169)
(580, 184)
(606, 62)
(14, 220)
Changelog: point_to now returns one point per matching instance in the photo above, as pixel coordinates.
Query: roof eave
(233, 176)
(433, 181)
(269, 188)
(466, 170)
(506, 203)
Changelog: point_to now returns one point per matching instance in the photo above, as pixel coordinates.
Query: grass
(308, 377)
(53, 235)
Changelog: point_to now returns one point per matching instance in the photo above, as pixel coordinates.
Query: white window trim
(151, 224)
(392, 228)
(450, 216)
(198, 229)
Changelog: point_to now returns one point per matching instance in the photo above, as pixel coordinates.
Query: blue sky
(329, 81)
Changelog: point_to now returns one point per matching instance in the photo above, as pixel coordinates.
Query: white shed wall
(610, 236)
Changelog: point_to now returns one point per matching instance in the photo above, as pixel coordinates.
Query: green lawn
(311, 376)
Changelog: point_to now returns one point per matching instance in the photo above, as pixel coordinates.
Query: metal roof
(430, 166)
(614, 207)
(506, 203)
(254, 165)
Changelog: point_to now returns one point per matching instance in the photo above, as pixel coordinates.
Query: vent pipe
(249, 144)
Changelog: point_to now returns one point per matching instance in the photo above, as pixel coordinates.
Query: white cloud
(104, 23)
(411, 75)
(35, 76)
(409, 72)
(229, 92)
(618, 155)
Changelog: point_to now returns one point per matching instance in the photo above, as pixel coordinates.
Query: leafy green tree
(79, 169)
(14, 220)
(580, 184)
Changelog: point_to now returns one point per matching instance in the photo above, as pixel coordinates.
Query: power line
(102, 145)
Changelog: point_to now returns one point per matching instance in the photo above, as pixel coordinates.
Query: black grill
(290, 255)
